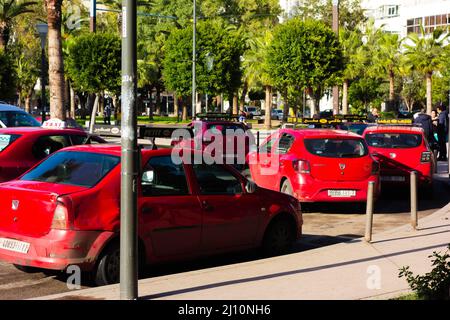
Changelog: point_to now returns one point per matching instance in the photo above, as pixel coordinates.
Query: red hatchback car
(316, 165)
(400, 150)
(21, 148)
(65, 211)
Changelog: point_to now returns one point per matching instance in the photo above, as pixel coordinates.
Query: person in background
(434, 122)
(424, 120)
(373, 115)
(243, 118)
(107, 114)
(442, 131)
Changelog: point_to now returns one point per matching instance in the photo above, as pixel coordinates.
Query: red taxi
(51, 215)
(21, 148)
(315, 165)
(400, 150)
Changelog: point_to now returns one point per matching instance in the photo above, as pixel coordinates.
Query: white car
(277, 114)
(252, 112)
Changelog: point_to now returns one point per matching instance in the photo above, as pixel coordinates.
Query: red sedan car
(21, 148)
(400, 150)
(51, 216)
(316, 165)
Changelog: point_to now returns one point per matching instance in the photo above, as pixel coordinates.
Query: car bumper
(310, 191)
(402, 177)
(58, 249)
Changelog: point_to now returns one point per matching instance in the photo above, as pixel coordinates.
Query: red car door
(231, 216)
(264, 164)
(170, 216)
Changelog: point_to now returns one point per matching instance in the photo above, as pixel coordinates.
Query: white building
(405, 16)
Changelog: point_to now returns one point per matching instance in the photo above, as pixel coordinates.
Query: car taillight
(375, 167)
(426, 156)
(301, 166)
(61, 216)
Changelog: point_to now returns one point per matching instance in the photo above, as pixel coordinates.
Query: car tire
(108, 266)
(27, 269)
(286, 187)
(279, 237)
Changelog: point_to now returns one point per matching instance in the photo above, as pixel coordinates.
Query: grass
(140, 119)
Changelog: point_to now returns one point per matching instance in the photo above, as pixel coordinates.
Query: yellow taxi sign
(394, 121)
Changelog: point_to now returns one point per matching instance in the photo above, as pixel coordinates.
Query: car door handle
(146, 210)
(206, 206)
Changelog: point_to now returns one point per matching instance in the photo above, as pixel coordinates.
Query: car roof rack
(216, 116)
(151, 132)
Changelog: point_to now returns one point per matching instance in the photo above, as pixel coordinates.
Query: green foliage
(434, 284)
(215, 39)
(7, 77)
(94, 62)
(304, 54)
(363, 93)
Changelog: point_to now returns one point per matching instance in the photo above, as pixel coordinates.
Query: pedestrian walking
(107, 115)
(424, 120)
(442, 131)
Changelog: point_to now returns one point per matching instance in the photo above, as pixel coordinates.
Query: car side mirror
(250, 187)
(148, 177)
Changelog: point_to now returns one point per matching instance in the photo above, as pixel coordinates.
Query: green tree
(363, 93)
(425, 54)
(94, 63)
(7, 77)
(304, 54)
(9, 11)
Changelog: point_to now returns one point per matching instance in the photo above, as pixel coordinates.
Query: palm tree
(9, 10)
(386, 60)
(351, 42)
(425, 54)
(255, 74)
(55, 59)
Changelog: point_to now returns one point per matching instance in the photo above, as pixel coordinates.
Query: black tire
(279, 237)
(108, 266)
(287, 188)
(27, 269)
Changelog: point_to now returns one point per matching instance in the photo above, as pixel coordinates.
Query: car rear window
(18, 119)
(336, 148)
(83, 169)
(7, 139)
(393, 140)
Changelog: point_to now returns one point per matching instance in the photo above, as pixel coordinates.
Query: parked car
(51, 219)
(315, 165)
(11, 116)
(400, 150)
(277, 114)
(22, 148)
(252, 112)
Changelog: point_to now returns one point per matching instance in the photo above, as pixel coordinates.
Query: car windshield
(70, 168)
(394, 140)
(336, 148)
(6, 140)
(18, 119)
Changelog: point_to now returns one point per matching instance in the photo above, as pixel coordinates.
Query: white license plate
(341, 193)
(393, 178)
(14, 245)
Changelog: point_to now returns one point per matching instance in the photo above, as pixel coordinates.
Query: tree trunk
(391, 86)
(55, 59)
(184, 116)
(244, 94)
(72, 102)
(175, 104)
(286, 105)
(4, 36)
(28, 101)
(198, 107)
(235, 104)
(345, 97)
(268, 115)
(429, 93)
(158, 101)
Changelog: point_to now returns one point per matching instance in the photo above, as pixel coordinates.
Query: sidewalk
(350, 270)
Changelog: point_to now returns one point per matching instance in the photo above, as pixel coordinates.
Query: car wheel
(287, 188)
(27, 269)
(279, 237)
(108, 267)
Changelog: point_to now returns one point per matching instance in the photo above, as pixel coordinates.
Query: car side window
(77, 140)
(285, 143)
(46, 145)
(267, 147)
(216, 180)
(161, 177)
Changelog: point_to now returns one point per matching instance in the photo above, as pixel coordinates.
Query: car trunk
(396, 161)
(343, 169)
(27, 207)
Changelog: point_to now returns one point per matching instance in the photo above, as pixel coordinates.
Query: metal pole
(335, 4)
(448, 144)
(413, 178)
(130, 157)
(194, 54)
(93, 16)
(369, 211)
(206, 103)
(43, 98)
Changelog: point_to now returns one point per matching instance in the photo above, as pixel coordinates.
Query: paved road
(323, 226)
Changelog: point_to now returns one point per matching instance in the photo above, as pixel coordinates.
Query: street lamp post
(336, 30)
(93, 16)
(209, 66)
(43, 30)
(194, 35)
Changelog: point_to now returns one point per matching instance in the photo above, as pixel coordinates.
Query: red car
(21, 148)
(65, 211)
(315, 165)
(400, 150)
